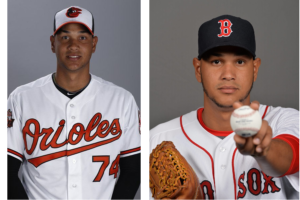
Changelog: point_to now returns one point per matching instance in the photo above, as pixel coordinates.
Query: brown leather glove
(171, 177)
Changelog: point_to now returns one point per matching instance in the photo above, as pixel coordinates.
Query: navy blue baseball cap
(226, 30)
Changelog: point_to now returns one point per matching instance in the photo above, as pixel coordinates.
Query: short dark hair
(241, 51)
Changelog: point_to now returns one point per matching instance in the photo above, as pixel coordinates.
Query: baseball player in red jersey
(75, 135)
(264, 166)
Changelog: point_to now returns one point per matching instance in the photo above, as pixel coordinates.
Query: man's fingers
(261, 133)
(254, 105)
(237, 104)
(266, 140)
(240, 141)
(248, 148)
(244, 145)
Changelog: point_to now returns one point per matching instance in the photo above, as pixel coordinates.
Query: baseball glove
(171, 177)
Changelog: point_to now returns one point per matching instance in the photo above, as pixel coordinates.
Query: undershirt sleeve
(129, 179)
(14, 185)
(294, 144)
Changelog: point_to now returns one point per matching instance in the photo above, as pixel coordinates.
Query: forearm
(276, 160)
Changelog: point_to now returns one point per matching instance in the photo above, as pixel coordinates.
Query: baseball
(245, 121)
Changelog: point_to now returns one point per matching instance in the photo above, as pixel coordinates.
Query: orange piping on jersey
(214, 132)
(130, 150)
(15, 153)
(212, 161)
(233, 172)
(42, 159)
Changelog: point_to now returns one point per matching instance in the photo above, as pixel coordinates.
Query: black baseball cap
(226, 30)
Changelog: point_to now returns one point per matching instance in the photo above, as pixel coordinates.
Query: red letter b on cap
(225, 28)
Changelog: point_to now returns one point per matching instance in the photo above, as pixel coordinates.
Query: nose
(228, 72)
(73, 44)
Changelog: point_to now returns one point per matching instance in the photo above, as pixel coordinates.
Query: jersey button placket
(74, 167)
(222, 149)
(223, 168)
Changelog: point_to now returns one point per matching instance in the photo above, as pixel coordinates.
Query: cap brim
(73, 22)
(227, 44)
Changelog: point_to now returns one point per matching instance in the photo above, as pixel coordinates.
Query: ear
(197, 64)
(256, 65)
(52, 41)
(95, 41)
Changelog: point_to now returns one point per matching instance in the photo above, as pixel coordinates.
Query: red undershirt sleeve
(294, 143)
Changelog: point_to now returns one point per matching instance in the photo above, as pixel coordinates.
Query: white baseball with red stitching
(245, 121)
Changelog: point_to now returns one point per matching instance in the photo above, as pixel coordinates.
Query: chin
(223, 104)
(73, 68)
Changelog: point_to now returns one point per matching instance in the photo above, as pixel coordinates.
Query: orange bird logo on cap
(73, 12)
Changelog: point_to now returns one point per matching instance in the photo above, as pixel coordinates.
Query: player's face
(226, 76)
(73, 46)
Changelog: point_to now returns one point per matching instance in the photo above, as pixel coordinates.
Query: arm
(14, 185)
(277, 159)
(129, 180)
(274, 156)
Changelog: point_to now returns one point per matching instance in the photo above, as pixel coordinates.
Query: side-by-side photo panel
(73, 108)
(224, 99)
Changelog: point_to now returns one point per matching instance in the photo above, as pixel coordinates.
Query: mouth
(228, 89)
(73, 57)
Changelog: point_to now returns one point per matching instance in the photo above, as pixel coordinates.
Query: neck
(217, 118)
(72, 82)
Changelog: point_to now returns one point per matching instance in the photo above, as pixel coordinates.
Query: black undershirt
(15, 188)
(71, 95)
(130, 177)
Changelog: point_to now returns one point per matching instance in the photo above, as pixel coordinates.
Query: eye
(83, 38)
(65, 37)
(240, 62)
(216, 62)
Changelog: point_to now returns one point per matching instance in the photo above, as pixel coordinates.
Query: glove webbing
(171, 171)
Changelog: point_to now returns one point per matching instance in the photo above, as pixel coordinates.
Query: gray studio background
(174, 26)
(117, 57)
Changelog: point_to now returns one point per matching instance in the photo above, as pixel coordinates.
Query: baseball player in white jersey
(71, 130)
(264, 166)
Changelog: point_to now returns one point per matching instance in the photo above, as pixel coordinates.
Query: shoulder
(173, 125)
(275, 113)
(111, 88)
(32, 86)
(282, 120)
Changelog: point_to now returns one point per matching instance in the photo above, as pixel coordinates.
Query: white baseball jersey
(223, 172)
(71, 148)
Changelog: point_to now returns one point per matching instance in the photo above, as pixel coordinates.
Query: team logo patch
(73, 12)
(10, 120)
(225, 28)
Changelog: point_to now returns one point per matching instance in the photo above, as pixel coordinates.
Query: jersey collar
(213, 132)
